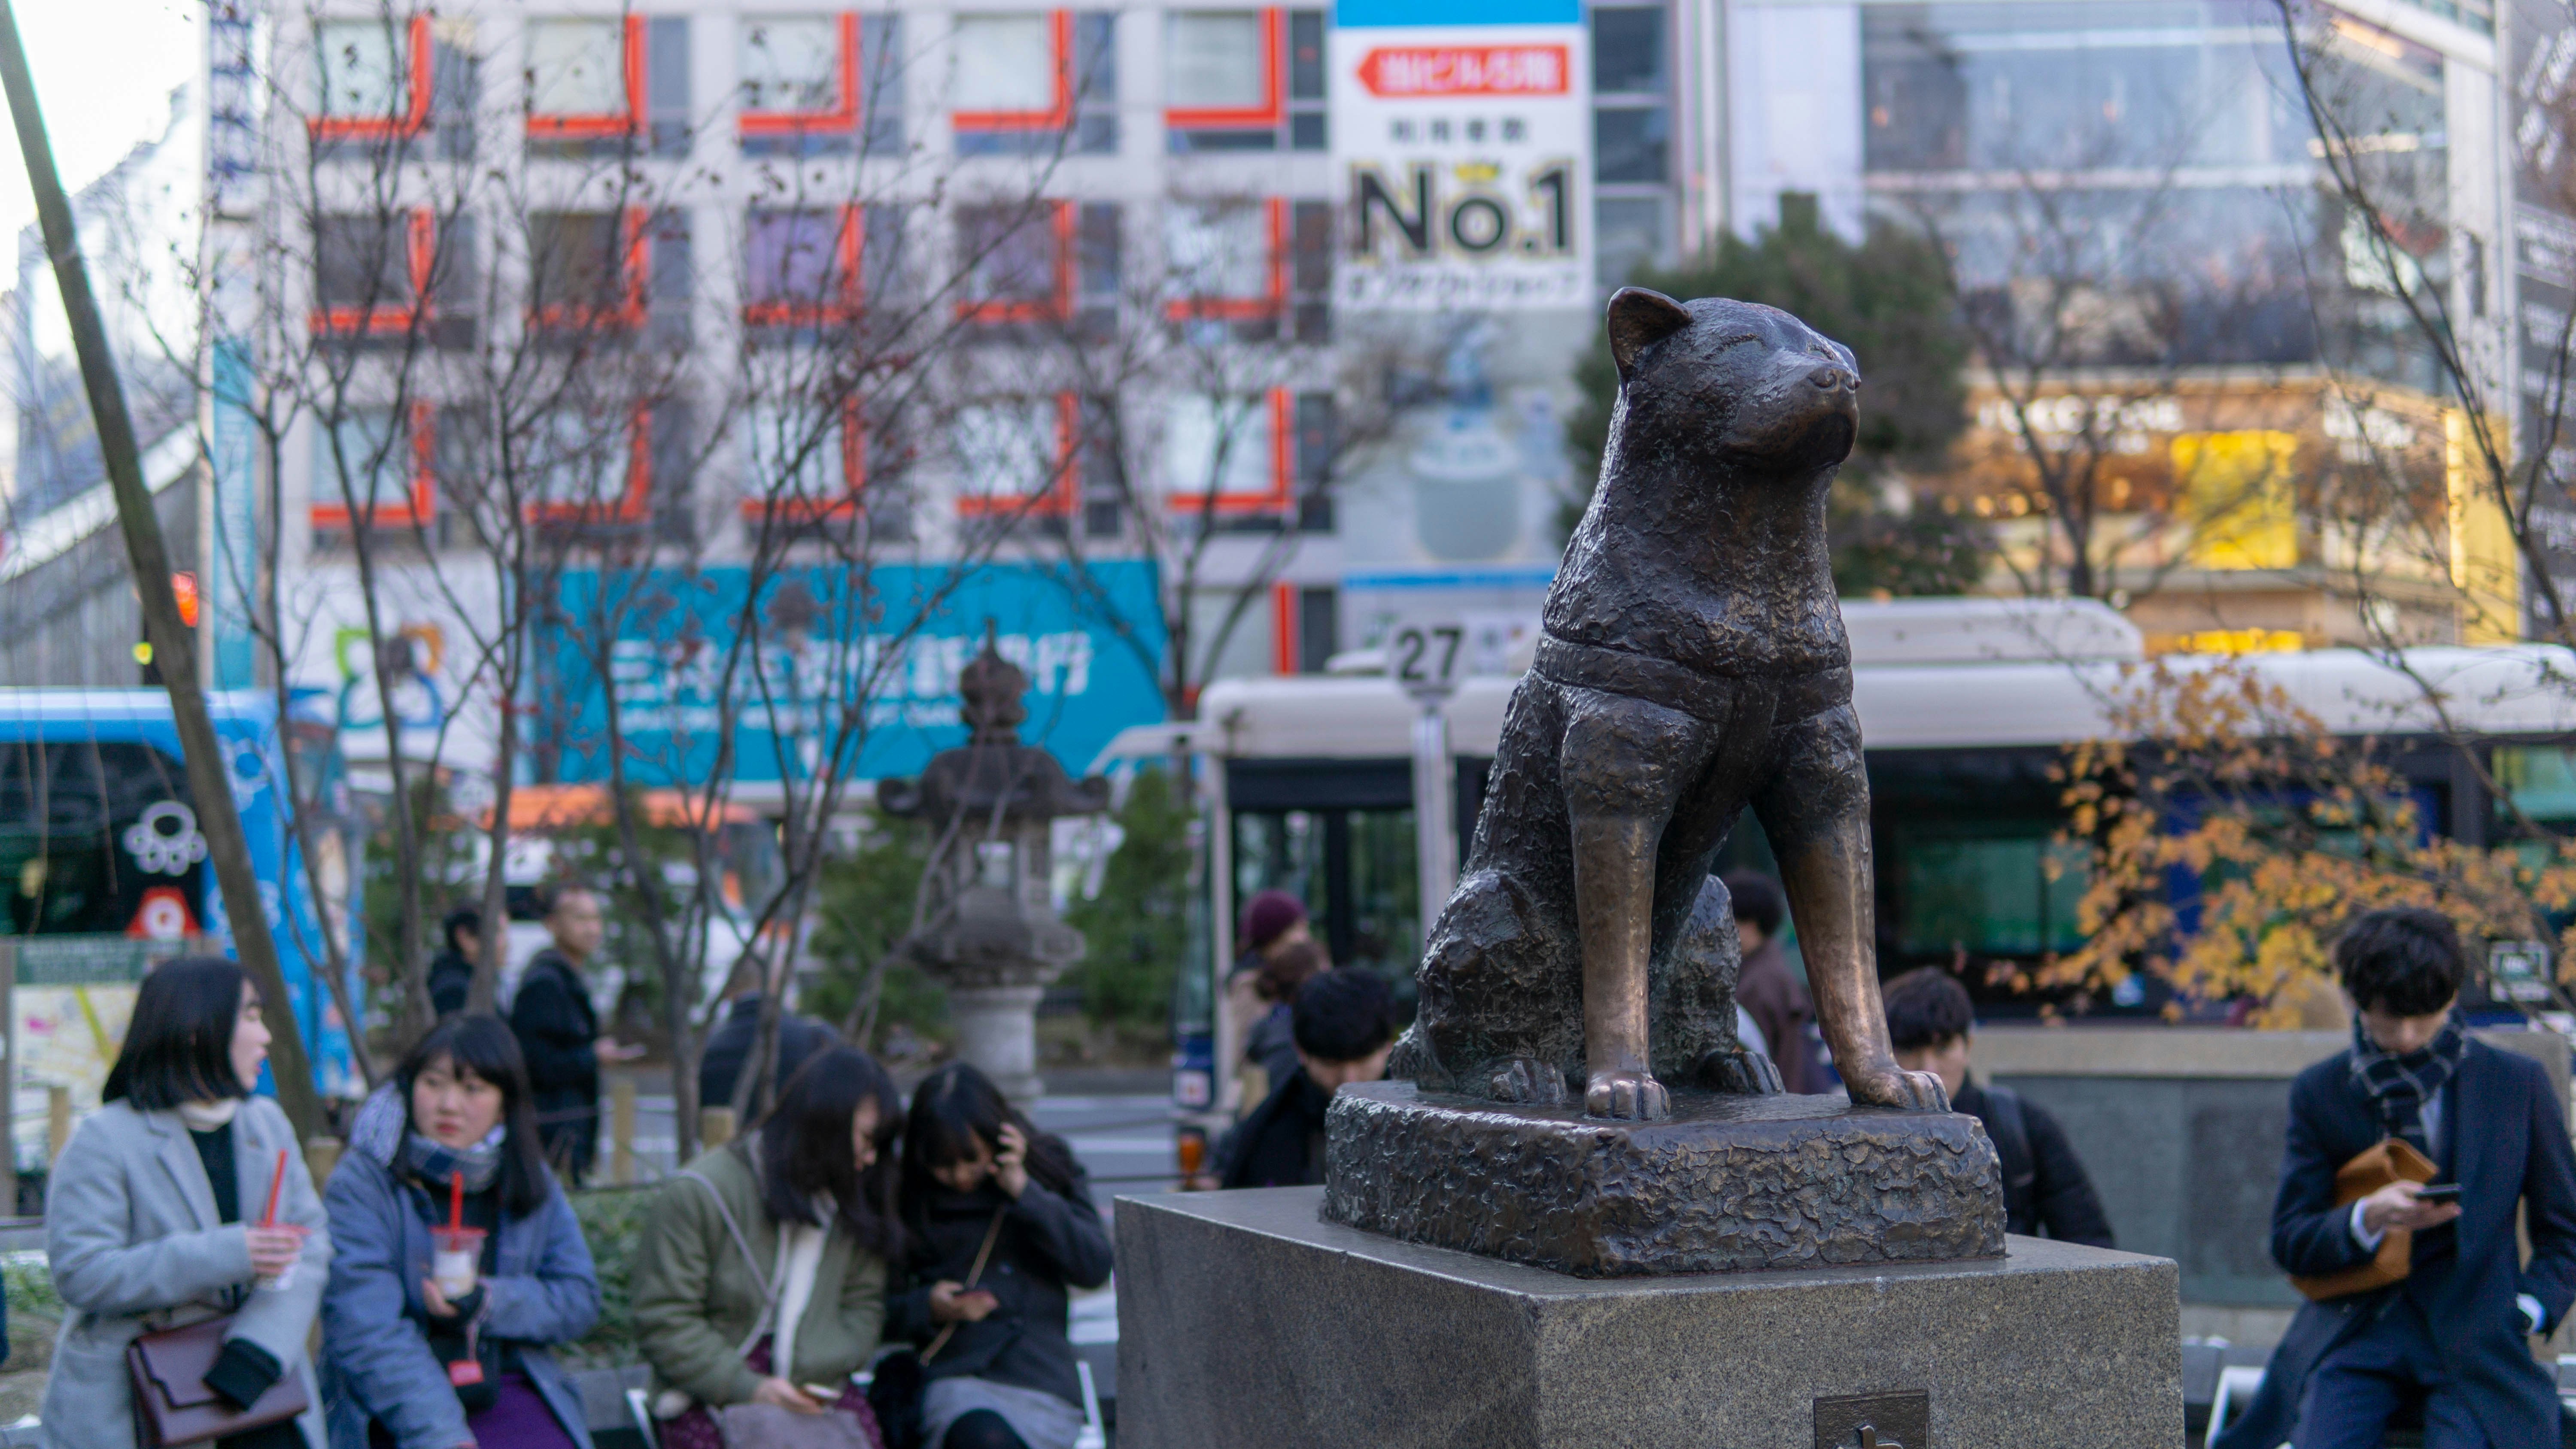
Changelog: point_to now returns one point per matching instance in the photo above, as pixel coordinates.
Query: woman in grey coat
(153, 1216)
(421, 1354)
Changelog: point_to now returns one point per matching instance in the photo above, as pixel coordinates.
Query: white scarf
(207, 1116)
(800, 1259)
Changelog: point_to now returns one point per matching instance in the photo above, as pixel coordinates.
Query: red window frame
(422, 506)
(1063, 495)
(1282, 495)
(854, 467)
(1060, 40)
(637, 252)
(415, 117)
(842, 117)
(635, 505)
(420, 264)
(1273, 110)
(1057, 309)
(609, 126)
(1284, 600)
(1247, 309)
(849, 250)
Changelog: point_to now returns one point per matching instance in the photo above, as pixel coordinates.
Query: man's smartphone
(2438, 1192)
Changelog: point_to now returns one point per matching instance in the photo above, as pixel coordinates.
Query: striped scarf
(2399, 1086)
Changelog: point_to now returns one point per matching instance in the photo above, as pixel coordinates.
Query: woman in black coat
(1001, 1226)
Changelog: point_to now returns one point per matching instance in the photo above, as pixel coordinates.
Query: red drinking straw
(276, 1183)
(455, 1201)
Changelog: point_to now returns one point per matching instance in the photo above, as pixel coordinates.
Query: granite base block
(1724, 1183)
(1247, 1320)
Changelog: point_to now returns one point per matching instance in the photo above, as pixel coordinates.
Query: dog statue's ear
(1640, 318)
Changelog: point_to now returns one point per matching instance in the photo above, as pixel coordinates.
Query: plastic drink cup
(456, 1260)
(286, 1279)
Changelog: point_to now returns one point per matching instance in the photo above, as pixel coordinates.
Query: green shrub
(612, 1222)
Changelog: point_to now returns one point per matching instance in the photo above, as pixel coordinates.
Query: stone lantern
(991, 935)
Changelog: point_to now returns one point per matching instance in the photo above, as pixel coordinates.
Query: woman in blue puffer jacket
(413, 1358)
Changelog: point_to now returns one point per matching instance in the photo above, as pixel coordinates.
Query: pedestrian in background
(1932, 1026)
(2450, 1335)
(1271, 1045)
(1001, 1226)
(762, 1273)
(731, 1043)
(1273, 922)
(559, 1033)
(153, 1217)
(451, 971)
(1765, 988)
(1345, 1026)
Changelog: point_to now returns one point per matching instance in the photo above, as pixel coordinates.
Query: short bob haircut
(1927, 1007)
(804, 1148)
(179, 1046)
(484, 1045)
(2405, 961)
(1344, 1015)
(958, 1107)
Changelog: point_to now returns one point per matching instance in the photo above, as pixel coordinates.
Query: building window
(1305, 627)
(1015, 458)
(1228, 259)
(591, 468)
(371, 474)
(1228, 455)
(586, 78)
(803, 463)
(1631, 137)
(1628, 234)
(590, 269)
(372, 275)
(1016, 262)
(375, 75)
(1024, 78)
(820, 83)
(803, 267)
(1243, 80)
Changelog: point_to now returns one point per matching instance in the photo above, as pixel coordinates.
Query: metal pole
(173, 650)
(1435, 835)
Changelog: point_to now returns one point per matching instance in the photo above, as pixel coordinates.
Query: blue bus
(103, 864)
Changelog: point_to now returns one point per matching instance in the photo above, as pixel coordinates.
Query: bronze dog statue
(1693, 662)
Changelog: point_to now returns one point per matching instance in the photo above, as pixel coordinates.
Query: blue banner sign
(666, 647)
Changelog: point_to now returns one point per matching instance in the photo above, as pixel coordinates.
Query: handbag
(2390, 1160)
(767, 1426)
(173, 1406)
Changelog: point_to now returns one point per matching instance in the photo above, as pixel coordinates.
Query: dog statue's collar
(1701, 693)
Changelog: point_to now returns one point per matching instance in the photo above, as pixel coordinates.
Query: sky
(104, 69)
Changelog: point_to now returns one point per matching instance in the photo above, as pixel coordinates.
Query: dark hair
(1343, 1015)
(1290, 967)
(463, 918)
(804, 1147)
(483, 1044)
(179, 1044)
(953, 1109)
(2405, 960)
(1757, 899)
(1926, 1007)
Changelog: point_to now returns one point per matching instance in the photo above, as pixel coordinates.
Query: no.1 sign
(1463, 133)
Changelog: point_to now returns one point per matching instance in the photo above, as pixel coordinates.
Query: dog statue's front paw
(1893, 1087)
(1626, 1096)
(1526, 1081)
(1739, 1071)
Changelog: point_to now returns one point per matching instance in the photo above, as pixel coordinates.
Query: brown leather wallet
(173, 1406)
(2392, 1159)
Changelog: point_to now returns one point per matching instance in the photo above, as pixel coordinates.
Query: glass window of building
(1009, 454)
(1632, 165)
(1012, 257)
(365, 68)
(583, 466)
(362, 464)
(796, 455)
(1217, 60)
(1006, 63)
(577, 67)
(792, 64)
(800, 259)
(1219, 250)
(1221, 445)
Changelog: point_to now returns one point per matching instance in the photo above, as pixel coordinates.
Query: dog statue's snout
(1830, 377)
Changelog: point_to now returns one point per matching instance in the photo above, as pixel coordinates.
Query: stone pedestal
(997, 1030)
(1246, 1321)
(1725, 1183)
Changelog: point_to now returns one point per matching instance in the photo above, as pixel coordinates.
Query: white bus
(1965, 704)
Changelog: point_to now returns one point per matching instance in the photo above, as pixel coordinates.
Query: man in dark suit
(559, 1033)
(2451, 1335)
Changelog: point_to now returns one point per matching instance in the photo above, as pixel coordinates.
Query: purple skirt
(518, 1419)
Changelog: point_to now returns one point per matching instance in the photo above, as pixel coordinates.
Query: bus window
(1356, 872)
(1988, 892)
(2538, 782)
(67, 811)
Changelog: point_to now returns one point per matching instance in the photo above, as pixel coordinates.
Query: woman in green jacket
(761, 1276)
